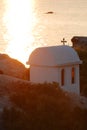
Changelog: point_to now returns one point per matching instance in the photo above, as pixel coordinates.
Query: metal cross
(63, 41)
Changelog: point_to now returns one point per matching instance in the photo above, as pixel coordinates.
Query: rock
(79, 42)
(49, 12)
(12, 67)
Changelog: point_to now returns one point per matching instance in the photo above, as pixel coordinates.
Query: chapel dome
(54, 56)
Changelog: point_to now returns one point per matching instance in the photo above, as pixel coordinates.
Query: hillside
(12, 67)
(27, 106)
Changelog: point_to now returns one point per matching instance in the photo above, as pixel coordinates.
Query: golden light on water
(19, 20)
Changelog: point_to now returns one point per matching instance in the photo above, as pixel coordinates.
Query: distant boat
(49, 12)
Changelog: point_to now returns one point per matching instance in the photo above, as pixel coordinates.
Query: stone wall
(79, 42)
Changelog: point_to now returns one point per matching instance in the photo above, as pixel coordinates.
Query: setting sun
(19, 19)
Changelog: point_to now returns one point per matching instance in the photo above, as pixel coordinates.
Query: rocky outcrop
(79, 42)
(12, 67)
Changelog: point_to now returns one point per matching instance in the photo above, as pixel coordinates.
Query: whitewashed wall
(43, 74)
(53, 74)
(68, 80)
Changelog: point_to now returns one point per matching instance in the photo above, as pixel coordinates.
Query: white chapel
(56, 64)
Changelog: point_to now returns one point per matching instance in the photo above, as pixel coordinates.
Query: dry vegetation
(42, 107)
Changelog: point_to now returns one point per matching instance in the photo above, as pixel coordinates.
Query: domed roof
(54, 56)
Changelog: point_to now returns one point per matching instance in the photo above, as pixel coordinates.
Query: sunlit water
(25, 24)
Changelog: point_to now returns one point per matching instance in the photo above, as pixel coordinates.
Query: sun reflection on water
(20, 20)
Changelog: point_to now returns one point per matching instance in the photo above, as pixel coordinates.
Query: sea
(28, 24)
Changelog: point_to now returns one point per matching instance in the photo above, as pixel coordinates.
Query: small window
(73, 75)
(62, 77)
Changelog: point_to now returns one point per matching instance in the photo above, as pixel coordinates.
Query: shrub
(43, 107)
